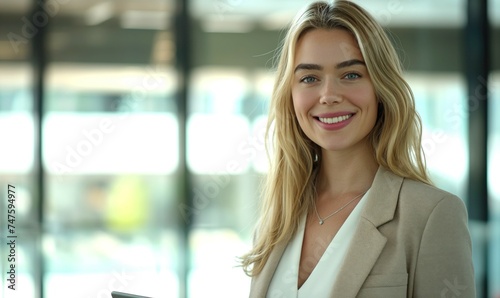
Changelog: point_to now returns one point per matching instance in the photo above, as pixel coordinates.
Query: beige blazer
(412, 241)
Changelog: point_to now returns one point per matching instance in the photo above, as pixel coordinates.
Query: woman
(349, 210)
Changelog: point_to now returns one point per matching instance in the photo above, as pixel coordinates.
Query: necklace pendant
(321, 222)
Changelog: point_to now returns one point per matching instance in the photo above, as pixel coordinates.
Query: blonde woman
(348, 208)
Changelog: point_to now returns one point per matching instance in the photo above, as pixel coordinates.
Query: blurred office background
(133, 134)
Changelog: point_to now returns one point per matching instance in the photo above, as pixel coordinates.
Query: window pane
(17, 133)
(494, 186)
(221, 151)
(440, 100)
(494, 152)
(111, 151)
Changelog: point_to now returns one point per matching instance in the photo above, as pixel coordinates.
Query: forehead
(322, 46)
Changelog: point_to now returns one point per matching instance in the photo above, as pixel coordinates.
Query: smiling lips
(334, 119)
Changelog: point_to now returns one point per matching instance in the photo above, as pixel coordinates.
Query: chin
(343, 146)
(334, 147)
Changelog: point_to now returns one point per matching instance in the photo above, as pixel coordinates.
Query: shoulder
(409, 203)
(423, 199)
(425, 193)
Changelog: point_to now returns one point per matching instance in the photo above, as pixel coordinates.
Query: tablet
(116, 294)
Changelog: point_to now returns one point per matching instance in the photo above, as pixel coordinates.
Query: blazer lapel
(368, 242)
(260, 283)
(366, 246)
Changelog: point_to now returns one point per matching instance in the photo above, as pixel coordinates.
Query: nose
(330, 93)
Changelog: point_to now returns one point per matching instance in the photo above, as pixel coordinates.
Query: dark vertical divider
(182, 35)
(477, 63)
(39, 62)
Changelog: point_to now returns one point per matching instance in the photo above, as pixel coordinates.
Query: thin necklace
(322, 220)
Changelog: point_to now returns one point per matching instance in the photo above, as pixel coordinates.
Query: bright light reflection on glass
(110, 143)
(16, 152)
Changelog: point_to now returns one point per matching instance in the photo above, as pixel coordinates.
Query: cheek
(365, 98)
(373, 110)
(297, 103)
(300, 109)
(301, 102)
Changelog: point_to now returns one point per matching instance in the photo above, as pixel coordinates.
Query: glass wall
(114, 217)
(19, 223)
(494, 186)
(494, 151)
(111, 151)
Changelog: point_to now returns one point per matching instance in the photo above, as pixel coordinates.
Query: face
(333, 95)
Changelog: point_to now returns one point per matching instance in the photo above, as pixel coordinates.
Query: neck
(346, 172)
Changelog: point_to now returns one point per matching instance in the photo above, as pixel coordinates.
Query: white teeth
(335, 119)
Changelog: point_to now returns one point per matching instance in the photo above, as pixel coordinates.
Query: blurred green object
(127, 204)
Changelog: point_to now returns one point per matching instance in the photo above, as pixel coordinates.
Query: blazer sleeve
(444, 263)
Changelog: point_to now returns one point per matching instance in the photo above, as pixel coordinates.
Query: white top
(319, 283)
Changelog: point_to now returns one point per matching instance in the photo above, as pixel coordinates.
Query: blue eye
(308, 79)
(352, 76)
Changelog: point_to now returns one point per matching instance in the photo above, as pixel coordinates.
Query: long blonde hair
(396, 137)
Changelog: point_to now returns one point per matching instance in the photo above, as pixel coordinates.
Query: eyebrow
(344, 64)
(350, 63)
